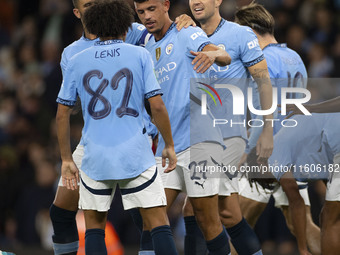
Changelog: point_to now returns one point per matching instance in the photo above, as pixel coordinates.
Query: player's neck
(89, 36)
(209, 26)
(265, 40)
(161, 33)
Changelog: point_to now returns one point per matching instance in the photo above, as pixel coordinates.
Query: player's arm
(69, 170)
(259, 72)
(162, 122)
(297, 210)
(209, 55)
(332, 105)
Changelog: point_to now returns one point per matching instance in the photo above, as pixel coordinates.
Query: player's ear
(76, 13)
(166, 5)
(218, 3)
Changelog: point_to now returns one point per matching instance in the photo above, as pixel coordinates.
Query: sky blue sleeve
(194, 39)
(250, 51)
(137, 35)
(281, 159)
(68, 91)
(63, 62)
(151, 129)
(152, 87)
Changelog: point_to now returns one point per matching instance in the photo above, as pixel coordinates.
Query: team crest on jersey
(221, 46)
(168, 48)
(158, 53)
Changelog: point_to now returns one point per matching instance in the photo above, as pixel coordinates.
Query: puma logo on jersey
(200, 184)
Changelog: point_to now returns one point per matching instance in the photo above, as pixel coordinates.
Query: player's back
(313, 141)
(136, 35)
(112, 79)
(286, 70)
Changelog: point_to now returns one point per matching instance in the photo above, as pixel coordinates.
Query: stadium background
(32, 36)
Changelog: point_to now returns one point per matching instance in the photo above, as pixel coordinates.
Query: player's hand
(70, 175)
(203, 60)
(292, 110)
(170, 154)
(264, 146)
(184, 21)
(242, 160)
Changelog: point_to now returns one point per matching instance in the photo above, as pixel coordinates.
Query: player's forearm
(162, 122)
(63, 132)
(261, 76)
(222, 58)
(332, 105)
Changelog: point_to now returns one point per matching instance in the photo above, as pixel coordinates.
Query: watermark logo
(204, 97)
(238, 100)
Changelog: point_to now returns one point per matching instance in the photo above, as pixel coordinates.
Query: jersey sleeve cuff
(254, 62)
(202, 46)
(65, 102)
(153, 93)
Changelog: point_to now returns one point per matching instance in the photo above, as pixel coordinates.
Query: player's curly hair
(257, 17)
(109, 18)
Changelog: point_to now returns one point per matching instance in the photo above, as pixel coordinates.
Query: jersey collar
(218, 27)
(281, 45)
(108, 42)
(167, 32)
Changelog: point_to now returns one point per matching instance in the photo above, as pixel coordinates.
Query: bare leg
(312, 230)
(251, 209)
(66, 199)
(171, 195)
(230, 211)
(206, 211)
(330, 228)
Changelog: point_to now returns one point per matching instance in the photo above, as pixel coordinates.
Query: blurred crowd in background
(32, 36)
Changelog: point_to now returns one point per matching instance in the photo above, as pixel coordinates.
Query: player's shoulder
(233, 27)
(243, 32)
(137, 27)
(191, 33)
(293, 53)
(135, 51)
(77, 46)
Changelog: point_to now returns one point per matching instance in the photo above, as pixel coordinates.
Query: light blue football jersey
(112, 89)
(286, 69)
(242, 45)
(136, 35)
(173, 69)
(315, 140)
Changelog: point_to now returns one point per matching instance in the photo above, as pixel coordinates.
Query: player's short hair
(257, 17)
(109, 18)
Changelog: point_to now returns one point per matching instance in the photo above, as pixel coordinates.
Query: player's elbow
(224, 58)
